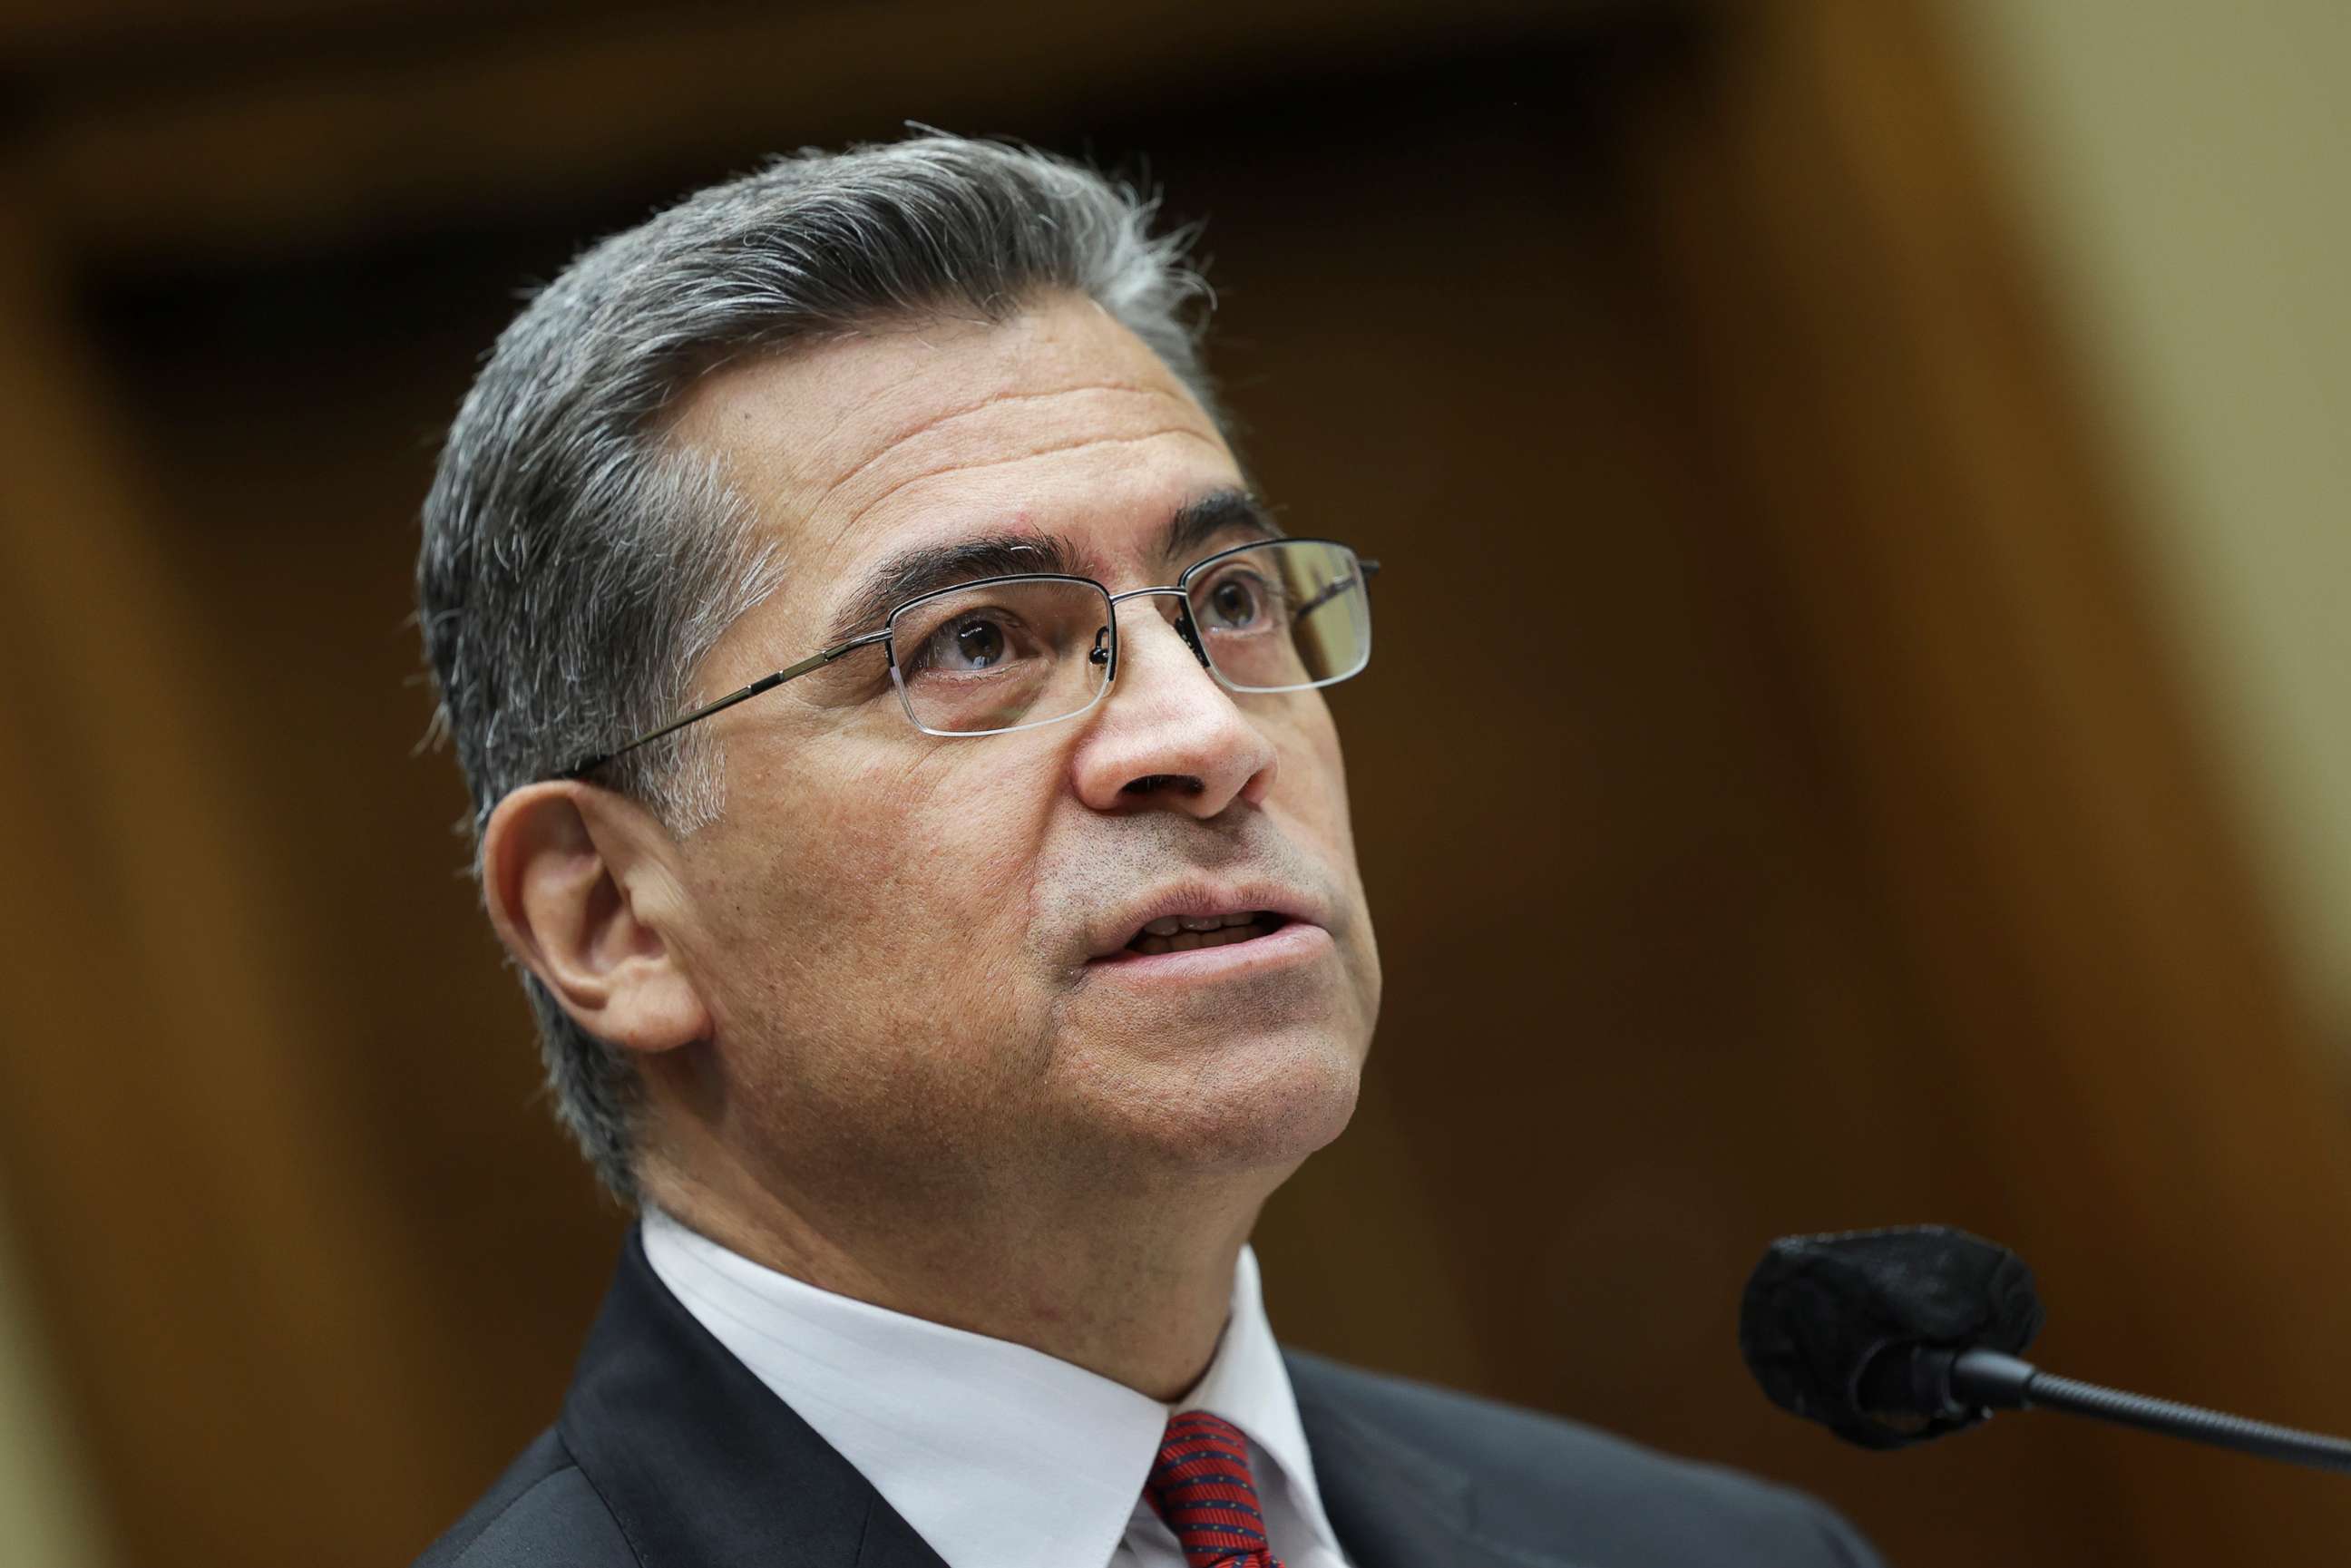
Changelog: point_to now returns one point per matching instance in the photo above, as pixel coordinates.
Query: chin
(1262, 1105)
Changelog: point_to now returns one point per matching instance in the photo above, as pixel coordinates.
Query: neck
(1134, 1286)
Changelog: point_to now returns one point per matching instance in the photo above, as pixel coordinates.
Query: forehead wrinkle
(1005, 459)
(993, 400)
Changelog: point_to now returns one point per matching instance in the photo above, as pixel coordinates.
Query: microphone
(1898, 1336)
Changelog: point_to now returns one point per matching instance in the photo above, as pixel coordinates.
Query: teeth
(1224, 935)
(1167, 925)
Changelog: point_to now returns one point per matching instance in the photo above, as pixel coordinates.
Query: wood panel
(379, 132)
(2121, 1085)
(207, 1255)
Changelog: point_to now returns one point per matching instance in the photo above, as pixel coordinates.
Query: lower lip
(1297, 944)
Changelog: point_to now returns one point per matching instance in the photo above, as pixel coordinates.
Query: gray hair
(577, 564)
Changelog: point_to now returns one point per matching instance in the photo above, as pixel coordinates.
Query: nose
(1168, 737)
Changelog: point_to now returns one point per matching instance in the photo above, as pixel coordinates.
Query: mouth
(1201, 935)
(1186, 933)
(1186, 925)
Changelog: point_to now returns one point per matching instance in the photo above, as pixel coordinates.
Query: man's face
(914, 948)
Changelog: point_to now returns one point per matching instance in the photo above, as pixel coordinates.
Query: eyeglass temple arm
(1332, 591)
(764, 683)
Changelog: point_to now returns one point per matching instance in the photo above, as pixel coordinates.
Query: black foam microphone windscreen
(1819, 1310)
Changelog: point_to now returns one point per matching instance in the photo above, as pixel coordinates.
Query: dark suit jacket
(671, 1454)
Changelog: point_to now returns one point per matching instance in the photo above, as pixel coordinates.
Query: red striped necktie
(1200, 1484)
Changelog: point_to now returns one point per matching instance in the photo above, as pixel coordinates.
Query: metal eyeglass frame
(1102, 656)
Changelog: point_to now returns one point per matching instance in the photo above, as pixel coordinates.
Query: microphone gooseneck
(1985, 1380)
(1853, 1331)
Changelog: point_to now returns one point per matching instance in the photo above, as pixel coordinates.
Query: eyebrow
(910, 574)
(1213, 518)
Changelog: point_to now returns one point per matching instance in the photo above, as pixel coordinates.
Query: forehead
(1058, 419)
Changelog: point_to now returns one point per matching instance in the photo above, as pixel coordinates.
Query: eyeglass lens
(1025, 652)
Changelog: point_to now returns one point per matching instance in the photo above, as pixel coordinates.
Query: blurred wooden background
(1780, 810)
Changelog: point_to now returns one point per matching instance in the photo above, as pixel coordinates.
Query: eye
(1239, 601)
(978, 645)
(969, 643)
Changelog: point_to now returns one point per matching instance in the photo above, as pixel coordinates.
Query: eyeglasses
(1009, 653)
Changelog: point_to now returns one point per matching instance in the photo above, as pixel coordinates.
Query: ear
(582, 895)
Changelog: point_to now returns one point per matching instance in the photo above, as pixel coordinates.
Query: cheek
(1311, 795)
(963, 838)
(1311, 784)
(882, 895)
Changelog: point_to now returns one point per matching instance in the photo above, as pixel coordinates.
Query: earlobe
(579, 894)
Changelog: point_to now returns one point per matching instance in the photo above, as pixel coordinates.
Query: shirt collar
(1247, 1385)
(996, 1454)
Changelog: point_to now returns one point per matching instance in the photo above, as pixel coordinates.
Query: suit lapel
(1394, 1504)
(700, 1464)
(890, 1543)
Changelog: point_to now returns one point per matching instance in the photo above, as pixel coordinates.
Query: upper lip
(1202, 899)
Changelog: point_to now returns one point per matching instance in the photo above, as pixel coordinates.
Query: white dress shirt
(999, 1456)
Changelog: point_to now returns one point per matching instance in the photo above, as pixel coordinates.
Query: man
(903, 778)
